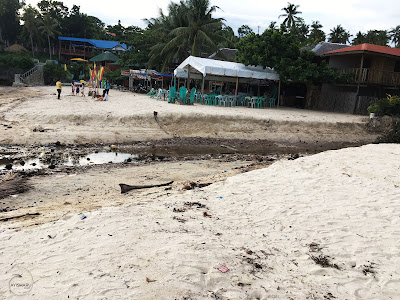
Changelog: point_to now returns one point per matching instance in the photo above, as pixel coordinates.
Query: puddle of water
(69, 160)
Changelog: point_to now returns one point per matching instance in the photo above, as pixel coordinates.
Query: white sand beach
(37, 117)
(264, 225)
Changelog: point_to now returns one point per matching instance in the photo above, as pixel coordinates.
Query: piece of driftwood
(19, 216)
(126, 187)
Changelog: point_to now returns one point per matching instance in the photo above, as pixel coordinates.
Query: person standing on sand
(59, 87)
(106, 90)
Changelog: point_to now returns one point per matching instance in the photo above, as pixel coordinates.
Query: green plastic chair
(172, 95)
(272, 98)
(182, 94)
(152, 93)
(192, 96)
(259, 102)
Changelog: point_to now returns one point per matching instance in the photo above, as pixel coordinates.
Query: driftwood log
(19, 216)
(126, 187)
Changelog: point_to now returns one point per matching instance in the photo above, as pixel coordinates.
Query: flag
(65, 67)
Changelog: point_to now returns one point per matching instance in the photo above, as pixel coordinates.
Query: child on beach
(83, 90)
(77, 89)
(73, 88)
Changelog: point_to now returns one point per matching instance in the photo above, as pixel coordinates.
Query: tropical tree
(377, 37)
(189, 28)
(394, 34)
(244, 30)
(316, 35)
(31, 22)
(290, 15)
(9, 19)
(229, 38)
(359, 39)
(339, 35)
(49, 29)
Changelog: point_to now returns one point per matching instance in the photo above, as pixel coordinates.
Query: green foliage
(9, 19)
(376, 37)
(79, 71)
(386, 106)
(53, 72)
(244, 31)
(15, 60)
(339, 35)
(114, 77)
(393, 136)
(280, 51)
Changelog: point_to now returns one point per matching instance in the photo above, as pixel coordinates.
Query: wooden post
(236, 90)
(361, 67)
(258, 90)
(279, 93)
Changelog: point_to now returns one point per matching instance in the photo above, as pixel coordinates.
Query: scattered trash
(113, 146)
(219, 197)
(82, 216)
(221, 268)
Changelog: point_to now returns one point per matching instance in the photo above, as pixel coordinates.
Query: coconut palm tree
(189, 28)
(48, 28)
(395, 36)
(290, 15)
(31, 24)
(316, 34)
(339, 35)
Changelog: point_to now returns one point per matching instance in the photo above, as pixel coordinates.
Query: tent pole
(188, 79)
(202, 85)
(279, 93)
(236, 89)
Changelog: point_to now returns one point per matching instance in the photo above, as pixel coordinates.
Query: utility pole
(258, 29)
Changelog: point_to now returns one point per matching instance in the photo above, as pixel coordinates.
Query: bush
(393, 136)
(53, 72)
(389, 106)
(15, 60)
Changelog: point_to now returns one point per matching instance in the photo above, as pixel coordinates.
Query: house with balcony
(374, 70)
(84, 48)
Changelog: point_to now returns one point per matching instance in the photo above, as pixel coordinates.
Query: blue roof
(165, 75)
(96, 43)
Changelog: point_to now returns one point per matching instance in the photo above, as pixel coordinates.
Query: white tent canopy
(213, 67)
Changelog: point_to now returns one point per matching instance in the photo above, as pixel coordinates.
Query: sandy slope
(259, 224)
(129, 117)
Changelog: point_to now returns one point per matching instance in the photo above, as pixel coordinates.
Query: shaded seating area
(222, 83)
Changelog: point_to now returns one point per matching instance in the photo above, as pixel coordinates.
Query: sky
(353, 15)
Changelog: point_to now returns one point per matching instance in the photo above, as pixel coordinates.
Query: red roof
(366, 48)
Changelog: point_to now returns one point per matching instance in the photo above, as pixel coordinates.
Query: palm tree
(30, 23)
(290, 15)
(316, 34)
(339, 35)
(394, 34)
(188, 29)
(48, 28)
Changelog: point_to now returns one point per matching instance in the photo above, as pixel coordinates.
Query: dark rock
(8, 166)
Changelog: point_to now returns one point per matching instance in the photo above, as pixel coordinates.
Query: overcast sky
(353, 15)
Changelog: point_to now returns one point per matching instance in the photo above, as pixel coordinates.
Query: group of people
(79, 87)
(76, 87)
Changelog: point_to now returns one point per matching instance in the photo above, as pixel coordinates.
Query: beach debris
(158, 122)
(191, 185)
(82, 216)
(323, 261)
(369, 269)
(205, 214)
(126, 187)
(113, 147)
(182, 220)
(8, 166)
(150, 280)
(179, 210)
(314, 247)
(294, 156)
(222, 268)
(196, 204)
(219, 197)
(19, 216)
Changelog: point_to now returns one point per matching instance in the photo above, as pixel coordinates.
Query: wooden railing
(373, 76)
(76, 52)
